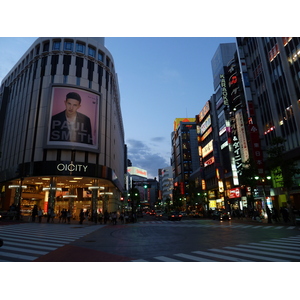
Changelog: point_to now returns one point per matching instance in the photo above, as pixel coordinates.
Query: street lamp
(263, 183)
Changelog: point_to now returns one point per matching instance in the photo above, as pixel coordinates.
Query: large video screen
(74, 118)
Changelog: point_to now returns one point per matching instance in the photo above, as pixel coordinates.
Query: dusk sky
(160, 79)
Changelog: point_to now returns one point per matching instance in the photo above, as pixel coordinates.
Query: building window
(77, 80)
(56, 46)
(68, 46)
(91, 52)
(46, 47)
(80, 47)
(100, 56)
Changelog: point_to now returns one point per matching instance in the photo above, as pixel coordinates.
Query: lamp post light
(262, 180)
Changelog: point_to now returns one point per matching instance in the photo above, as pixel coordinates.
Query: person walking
(40, 215)
(69, 215)
(114, 218)
(34, 213)
(106, 216)
(100, 217)
(81, 216)
(269, 214)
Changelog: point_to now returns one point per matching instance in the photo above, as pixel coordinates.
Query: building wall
(25, 106)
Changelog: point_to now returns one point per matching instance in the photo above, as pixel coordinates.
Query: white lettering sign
(71, 167)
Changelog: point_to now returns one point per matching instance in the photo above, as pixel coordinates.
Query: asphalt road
(151, 240)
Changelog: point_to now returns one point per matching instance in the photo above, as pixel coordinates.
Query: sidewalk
(263, 222)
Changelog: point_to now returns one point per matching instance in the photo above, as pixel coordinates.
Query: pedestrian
(64, 215)
(114, 218)
(106, 216)
(121, 218)
(81, 216)
(52, 215)
(100, 217)
(269, 214)
(34, 213)
(69, 215)
(285, 214)
(40, 215)
(86, 214)
(275, 214)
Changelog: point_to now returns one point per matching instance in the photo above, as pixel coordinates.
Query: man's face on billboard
(72, 106)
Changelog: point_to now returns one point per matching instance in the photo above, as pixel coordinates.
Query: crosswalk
(26, 242)
(191, 223)
(274, 250)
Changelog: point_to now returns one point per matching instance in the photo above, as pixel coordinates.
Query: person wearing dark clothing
(81, 216)
(70, 125)
(269, 214)
(106, 216)
(275, 214)
(285, 214)
(34, 213)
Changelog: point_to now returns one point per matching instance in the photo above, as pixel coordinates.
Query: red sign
(234, 193)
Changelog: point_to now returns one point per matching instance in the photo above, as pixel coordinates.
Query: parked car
(158, 214)
(221, 215)
(174, 216)
(183, 213)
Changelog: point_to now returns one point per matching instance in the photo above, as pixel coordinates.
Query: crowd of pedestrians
(65, 216)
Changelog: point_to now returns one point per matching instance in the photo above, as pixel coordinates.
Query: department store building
(61, 128)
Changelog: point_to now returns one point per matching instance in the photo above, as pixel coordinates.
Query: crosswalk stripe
(273, 250)
(225, 257)
(263, 258)
(30, 245)
(279, 243)
(166, 259)
(18, 256)
(195, 258)
(274, 245)
(24, 250)
(32, 241)
(26, 242)
(264, 252)
(27, 239)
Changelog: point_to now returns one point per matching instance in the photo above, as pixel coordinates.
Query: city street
(151, 240)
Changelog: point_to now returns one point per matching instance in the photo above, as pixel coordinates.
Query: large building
(271, 81)
(61, 128)
(184, 160)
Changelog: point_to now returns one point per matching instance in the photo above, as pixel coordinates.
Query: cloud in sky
(142, 156)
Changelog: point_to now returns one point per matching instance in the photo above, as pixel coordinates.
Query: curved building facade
(61, 128)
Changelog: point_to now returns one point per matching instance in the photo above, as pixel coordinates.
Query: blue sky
(160, 79)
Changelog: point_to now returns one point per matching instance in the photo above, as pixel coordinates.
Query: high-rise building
(61, 128)
(185, 158)
(271, 80)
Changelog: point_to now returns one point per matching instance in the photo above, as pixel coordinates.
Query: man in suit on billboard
(70, 125)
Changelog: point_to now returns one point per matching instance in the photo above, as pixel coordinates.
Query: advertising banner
(74, 118)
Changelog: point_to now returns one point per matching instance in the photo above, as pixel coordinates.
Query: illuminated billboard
(184, 120)
(74, 118)
(137, 171)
